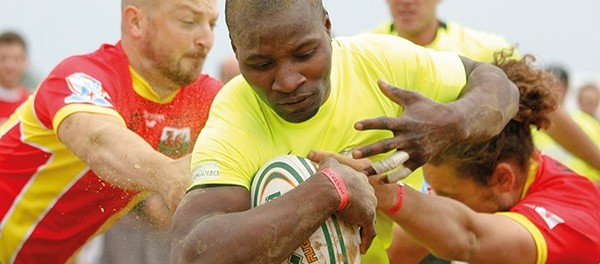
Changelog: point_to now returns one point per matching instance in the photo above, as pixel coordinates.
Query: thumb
(319, 155)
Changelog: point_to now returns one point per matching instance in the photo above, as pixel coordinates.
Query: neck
(159, 83)
(421, 37)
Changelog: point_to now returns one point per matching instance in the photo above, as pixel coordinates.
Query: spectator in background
(588, 99)
(586, 122)
(417, 21)
(13, 63)
(229, 69)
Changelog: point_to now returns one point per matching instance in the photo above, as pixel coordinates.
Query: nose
(288, 78)
(204, 36)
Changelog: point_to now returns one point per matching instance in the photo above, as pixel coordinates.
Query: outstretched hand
(425, 128)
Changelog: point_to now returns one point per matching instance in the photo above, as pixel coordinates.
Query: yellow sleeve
(540, 241)
(70, 109)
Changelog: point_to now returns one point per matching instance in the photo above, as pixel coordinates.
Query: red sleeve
(77, 80)
(566, 210)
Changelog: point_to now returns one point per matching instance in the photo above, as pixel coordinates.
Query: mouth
(297, 103)
(406, 14)
(198, 55)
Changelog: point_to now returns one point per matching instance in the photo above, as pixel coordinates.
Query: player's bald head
(138, 3)
(250, 12)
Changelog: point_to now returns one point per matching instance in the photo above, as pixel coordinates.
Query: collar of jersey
(143, 89)
(533, 172)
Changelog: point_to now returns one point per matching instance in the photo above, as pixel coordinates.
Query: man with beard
(105, 130)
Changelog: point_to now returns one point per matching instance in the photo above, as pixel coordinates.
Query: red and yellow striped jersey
(51, 203)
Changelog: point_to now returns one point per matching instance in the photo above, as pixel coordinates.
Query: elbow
(185, 248)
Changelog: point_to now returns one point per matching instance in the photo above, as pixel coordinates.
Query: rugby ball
(334, 241)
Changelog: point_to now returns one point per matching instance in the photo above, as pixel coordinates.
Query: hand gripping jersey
(51, 203)
(561, 210)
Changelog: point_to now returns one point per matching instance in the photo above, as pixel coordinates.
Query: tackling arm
(488, 101)
(450, 230)
(118, 155)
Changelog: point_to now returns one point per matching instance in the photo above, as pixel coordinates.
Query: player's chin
(298, 116)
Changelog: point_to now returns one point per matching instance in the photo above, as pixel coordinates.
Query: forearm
(569, 135)
(488, 101)
(117, 154)
(405, 250)
(431, 220)
(155, 212)
(266, 234)
(127, 160)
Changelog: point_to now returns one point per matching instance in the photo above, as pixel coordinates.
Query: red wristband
(399, 200)
(340, 186)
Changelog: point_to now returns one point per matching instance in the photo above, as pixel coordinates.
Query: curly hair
(538, 98)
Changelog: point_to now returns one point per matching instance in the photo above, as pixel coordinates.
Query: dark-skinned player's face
(286, 59)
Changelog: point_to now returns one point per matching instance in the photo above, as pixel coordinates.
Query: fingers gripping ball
(334, 242)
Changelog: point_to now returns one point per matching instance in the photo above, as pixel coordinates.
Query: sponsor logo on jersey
(151, 119)
(85, 89)
(174, 142)
(551, 219)
(207, 170)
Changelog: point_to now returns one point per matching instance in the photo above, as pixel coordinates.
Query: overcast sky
(565, 32)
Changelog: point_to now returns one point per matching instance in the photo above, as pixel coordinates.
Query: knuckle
(388, 145)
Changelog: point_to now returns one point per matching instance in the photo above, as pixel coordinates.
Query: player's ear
(234, 48)
(504, 177)
(327, 22)
(132, 21)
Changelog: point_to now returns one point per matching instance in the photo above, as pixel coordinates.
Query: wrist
(399, 200)
(340, 187)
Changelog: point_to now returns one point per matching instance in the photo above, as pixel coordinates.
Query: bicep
(500, 239)
(80, 131)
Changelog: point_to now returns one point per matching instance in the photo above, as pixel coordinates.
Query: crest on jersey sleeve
(85, 89)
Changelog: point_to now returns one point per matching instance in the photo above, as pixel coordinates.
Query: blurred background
(557, 32)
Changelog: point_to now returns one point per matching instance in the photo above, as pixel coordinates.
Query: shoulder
(106, 58)
(107, 66)
(374, 45)
(482, 38)
(383, 28)
(207, 84)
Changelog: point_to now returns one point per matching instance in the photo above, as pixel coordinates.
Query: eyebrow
(195, 10)
(298, 47)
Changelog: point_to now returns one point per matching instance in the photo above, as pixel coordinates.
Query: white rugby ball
(334, 242)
